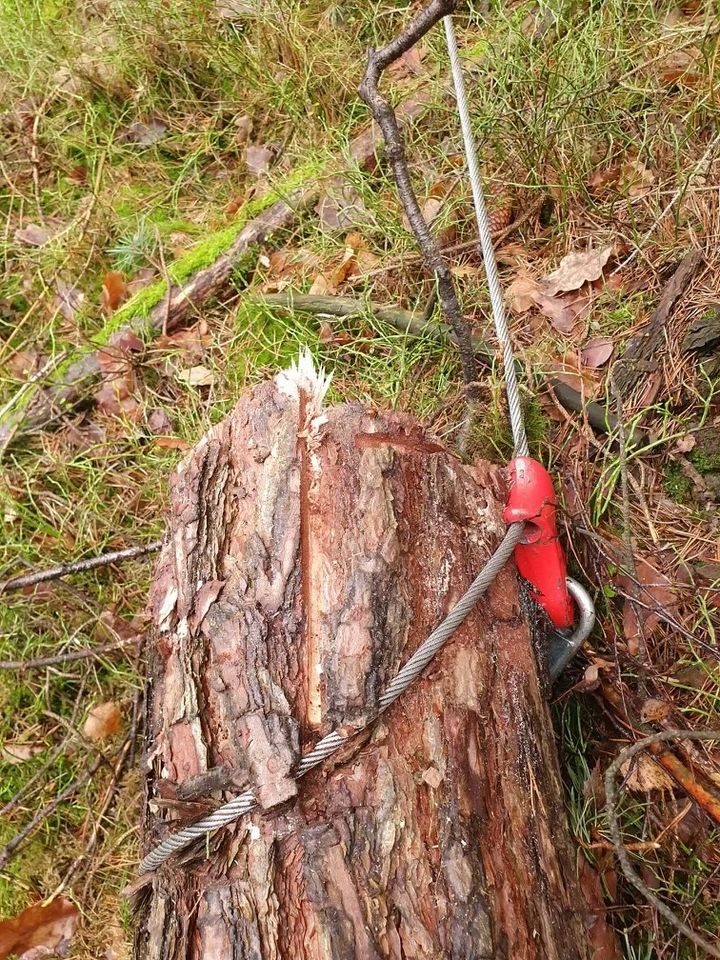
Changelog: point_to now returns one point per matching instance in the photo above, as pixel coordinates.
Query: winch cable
(246, 802)
(517, 422)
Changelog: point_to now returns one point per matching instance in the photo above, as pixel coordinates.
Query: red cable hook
(539, 557)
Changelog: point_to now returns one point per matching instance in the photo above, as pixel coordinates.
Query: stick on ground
(79, 566)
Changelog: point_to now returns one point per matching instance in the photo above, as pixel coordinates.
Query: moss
(705, 461)
(676, 484)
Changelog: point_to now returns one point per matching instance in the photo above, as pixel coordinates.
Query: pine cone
(500, 213)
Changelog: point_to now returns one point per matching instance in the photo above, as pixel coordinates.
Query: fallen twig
(69, 657)
(640, 356)
(8, 851)
(78, 566)
(417, 324)
(382, 111)
(53, 402)
(614, 827)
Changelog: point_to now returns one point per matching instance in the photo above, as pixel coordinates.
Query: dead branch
(8, 851)
(53, 402)
(641, 353)
(382, 111)
(71, 656)
(79, 566)
(614, 827)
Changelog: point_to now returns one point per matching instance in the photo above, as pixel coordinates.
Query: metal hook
(565, 645)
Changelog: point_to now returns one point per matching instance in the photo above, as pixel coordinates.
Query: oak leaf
(576, 269)
(42, 930)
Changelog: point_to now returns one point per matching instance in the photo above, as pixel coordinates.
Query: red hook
(539, 556)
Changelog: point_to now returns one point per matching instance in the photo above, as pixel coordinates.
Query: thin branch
(69, 657)
(79, 566)
(384, 115)
(8, 851)
(614, 827)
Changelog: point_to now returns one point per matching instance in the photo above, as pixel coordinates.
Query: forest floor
(138, 137)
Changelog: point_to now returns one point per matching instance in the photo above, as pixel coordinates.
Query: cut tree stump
(309, 552)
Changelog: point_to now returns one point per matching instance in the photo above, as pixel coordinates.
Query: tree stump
(309, 552)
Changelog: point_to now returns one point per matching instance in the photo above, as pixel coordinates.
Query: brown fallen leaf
(341, 207)
(144, 134)
(198, 376)
(257, 160)
(114, 290)
(686, 444)
(654, 710)
(523, 292)
(15, 752)
(69, 299)
(597, 352)
(600, 933)
(576, 269)
(22, 363)
(159, 422)
(643, 775)
(171, 443)
(42, 930)
(409, 64)
(33, 235)
(103, 721)
(655, 593)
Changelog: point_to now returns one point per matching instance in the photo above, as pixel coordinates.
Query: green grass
(591, 97)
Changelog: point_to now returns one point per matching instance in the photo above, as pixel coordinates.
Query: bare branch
(384, 115)
(79, 566)
(614, 828)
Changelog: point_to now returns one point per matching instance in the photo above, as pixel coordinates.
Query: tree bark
(310, 551)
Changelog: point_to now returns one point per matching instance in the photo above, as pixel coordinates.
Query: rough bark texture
(309, 553)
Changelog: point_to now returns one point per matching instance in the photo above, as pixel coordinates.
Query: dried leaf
(597, 352)
(341, 207)
(117, 395)
(172, 443)
(431, 209)
(236, 9)
(159, 422)
(14, 752)
(409, 64)
(637, 178)
(144, 134)
(114, 290)
(600, 933)
(22, 363)
(563, 312)
(43, 930)
(655, 593)
(576, 269)
(642, 774)
(244, 127)
(686, 444)
(103, 721)
(69, 299)
(127, 341)
(197, 376)
(33, 235)
(523, 293)
(257, 160)
(654, 710)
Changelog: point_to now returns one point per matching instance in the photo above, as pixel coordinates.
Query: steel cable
(496, 297)
(408, 673)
